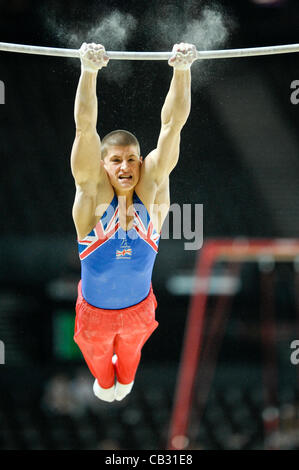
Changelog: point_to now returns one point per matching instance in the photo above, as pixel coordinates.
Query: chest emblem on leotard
(108, 227)
(125, 251)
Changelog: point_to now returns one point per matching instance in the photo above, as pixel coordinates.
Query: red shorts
(102, 333)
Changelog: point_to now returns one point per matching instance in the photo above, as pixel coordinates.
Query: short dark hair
(119, 137)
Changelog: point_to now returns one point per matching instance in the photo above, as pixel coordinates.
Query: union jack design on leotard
(99, 235)
(149, 235)
(104, 231)
(125, 251)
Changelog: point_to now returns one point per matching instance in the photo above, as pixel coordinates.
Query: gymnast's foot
(106, 394)
(122, 390)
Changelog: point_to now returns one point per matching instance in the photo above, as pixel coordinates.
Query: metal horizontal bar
(128, 55)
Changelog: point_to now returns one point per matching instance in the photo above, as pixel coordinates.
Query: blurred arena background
(239, 158)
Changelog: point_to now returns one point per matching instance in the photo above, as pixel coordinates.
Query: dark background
(239, 158)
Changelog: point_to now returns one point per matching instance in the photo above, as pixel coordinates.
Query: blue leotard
(117, 265)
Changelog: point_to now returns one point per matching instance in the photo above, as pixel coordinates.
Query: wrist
(88, 70)
(181, 72)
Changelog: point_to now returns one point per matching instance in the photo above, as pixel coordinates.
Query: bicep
(86, 157)
(84, 208)
(91, 200)
(164, 158)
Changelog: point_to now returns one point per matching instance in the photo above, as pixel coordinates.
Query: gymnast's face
(122, 164)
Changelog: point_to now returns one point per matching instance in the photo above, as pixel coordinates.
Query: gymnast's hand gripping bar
(124, 55)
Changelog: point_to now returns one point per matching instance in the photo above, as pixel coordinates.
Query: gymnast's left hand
(93, 57)
(183, 56)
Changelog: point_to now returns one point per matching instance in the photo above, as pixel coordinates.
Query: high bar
(128, 55)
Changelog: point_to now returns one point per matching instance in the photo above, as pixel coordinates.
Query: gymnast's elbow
(85, 121)
(85, 128)
(173, 126)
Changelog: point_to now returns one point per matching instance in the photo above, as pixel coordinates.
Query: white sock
(122, 390)
(114, 359)
(106, 394)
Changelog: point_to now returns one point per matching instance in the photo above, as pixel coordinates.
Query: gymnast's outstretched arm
(86, 152)
(176, 109)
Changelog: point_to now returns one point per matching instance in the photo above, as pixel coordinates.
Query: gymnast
(120, 205)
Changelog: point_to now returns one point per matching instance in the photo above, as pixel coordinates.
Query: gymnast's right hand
(93, 57)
